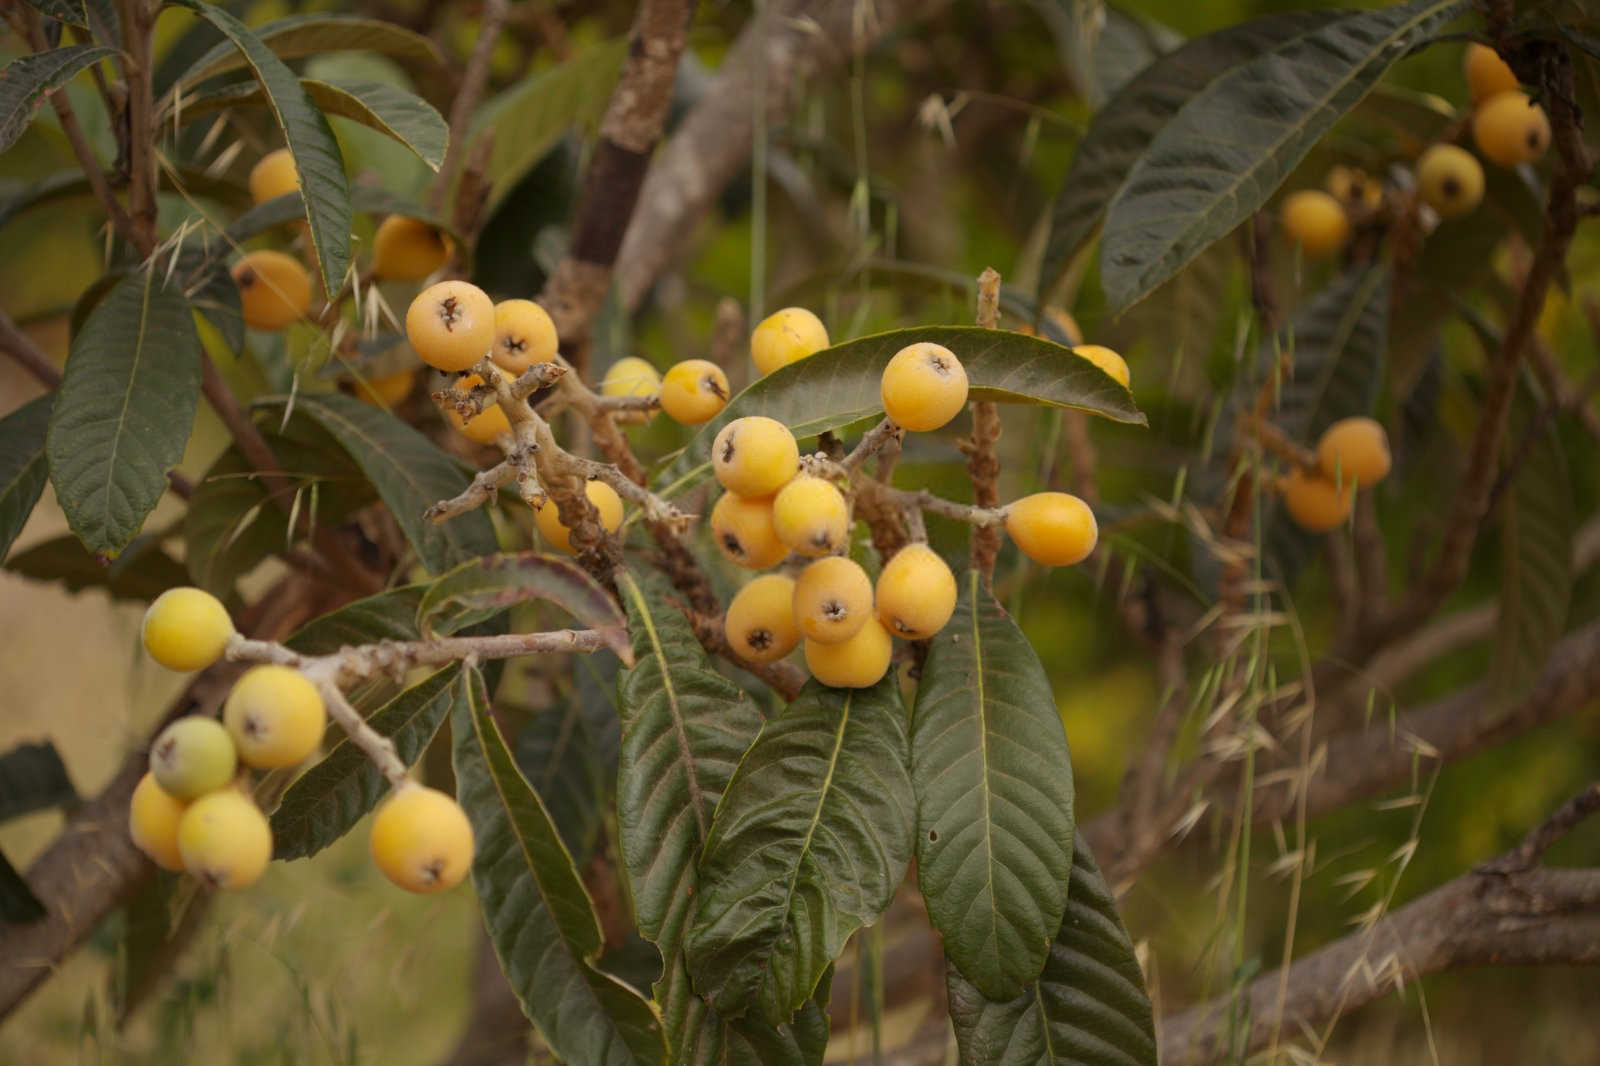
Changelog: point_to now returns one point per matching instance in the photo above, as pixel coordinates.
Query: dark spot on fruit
(835, 610)
(903, 629)
(728, 448)
(450, 312)
(939, 363)
(732, 544)
(253, 727)
(1535, 139)
(1451, 188)
(166, 749)
(822, 539)
(247, 278)
(433, 870)
(759, 639)
(714, 387)
(933, 836)
(512, 343)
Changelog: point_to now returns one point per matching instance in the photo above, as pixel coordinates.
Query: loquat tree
(722, 662)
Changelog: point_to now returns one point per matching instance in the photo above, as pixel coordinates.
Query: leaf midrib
(127, 394)
(983, 757)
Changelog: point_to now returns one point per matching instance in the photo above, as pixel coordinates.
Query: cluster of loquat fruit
(193, 810)
(1508, 128)
(1351, 454)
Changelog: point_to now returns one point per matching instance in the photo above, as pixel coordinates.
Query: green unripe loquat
(274, 289)
(186, 629)
(153, 816)
(1511, 129)
(1316, 222)
(832, 600)
(1487, 74)
(916, 593)
(421, 840)
(193, 756)
(1053, 528)
(1355, 448)
(923, 387)
(451, 325)
(743, 531)
(1315, 502)
(524, 334)
(275, 717)
(755, 456)
(408, 249)
(225, 840)
(485, 427)
(274, 175)
(693, 391)
(760, 625)
(811, 516)
(785, 337)
(605, 500)
(859, 662)
(1114, 365)
(1449, 180)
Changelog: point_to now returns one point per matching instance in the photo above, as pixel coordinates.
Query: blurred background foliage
(885, 191)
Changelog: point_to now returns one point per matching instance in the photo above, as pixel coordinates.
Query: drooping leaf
(18, 904)
(301, 36)
(484, 587)
(702, 1037)
(811, 839)
(323, 186)
(568, 753)
(23, 468)
(1224, 153)
(537, 912)
(408, 471)
(68, 11)
(390, 615)
(993, 778)
(542, 108)
(367, 199)
(841, 385)
(33, 778)
(141, 573)
(1089, 1006)
(331, 797)
(123, 414)
(1123, 128)
(388, 109)
(212, 292)
(27, 79)
(1538, 520)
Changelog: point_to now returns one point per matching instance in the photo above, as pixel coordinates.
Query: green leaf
(390, 615)
(26, 79)
(402, 115)
(1222, 156)
(124, 412)
(23, 468)
(328, 800)
(68, 11)
(537, 912)
(840, 385)
(993, 777)
(33, 778)
(18, 904)
(323, 186)
(482, 588)
(1123, 128)
(213, 293)
(1089, 1006)
(367, 199)
(159, 921)
(810, 841)
(702, 1037)
(568, 753)
(409, 472)
(541, 109)
(1538, 521)
(141, 573)
(303, 36)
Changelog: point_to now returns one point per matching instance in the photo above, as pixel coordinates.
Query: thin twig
(468, 93)
(870, 444)
(16, 344)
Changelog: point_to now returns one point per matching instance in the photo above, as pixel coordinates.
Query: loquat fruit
(186, 629)
(1487, 74)
(1114, 365)
(421, 840)
(754, 456)
(1355, 448)
(1511, 129)
(1449, 180)
(760, 625)
(153, 816)
(1316, 222)
(274, 289)
(485, 427)
(274, 175)
(1053, 528)
(916, 593)
(631, 376)
(693, 391)
(785, 337)
(743, 531)
(386, 391)
(811, 516)
(451, 325)
(923, 387)
(524, 334)
(1354, 188)
(832, 599)
(409, 249)
(193, 756)
(602, 496)
(225, 840)
(1315, 502)
(858, 662)
(275, 717)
